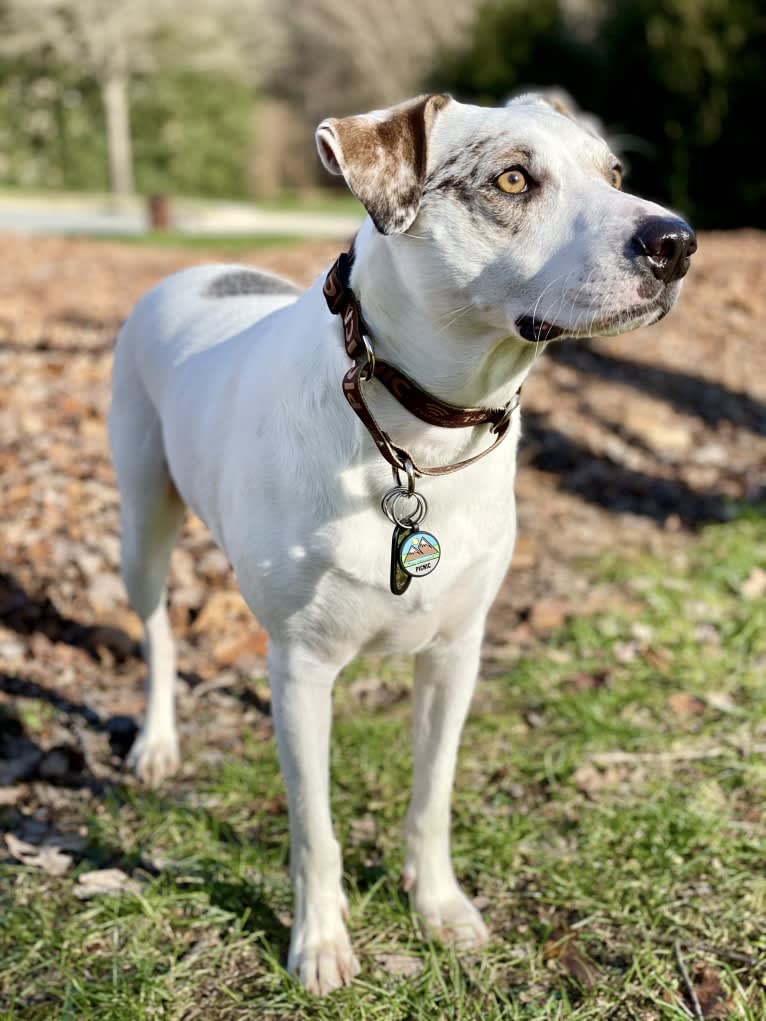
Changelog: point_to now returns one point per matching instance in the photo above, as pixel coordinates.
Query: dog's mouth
(540, 331)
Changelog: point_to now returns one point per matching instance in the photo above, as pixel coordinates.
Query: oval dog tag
(419, 554)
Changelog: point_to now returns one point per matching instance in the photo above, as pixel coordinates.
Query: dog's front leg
(320, 952)
(445, 677)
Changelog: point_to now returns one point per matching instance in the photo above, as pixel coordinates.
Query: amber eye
(615, 177)
(514, 182)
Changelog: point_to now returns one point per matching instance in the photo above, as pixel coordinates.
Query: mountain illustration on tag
(419, 554)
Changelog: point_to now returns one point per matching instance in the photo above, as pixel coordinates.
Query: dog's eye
(514, 181)
(615, 177)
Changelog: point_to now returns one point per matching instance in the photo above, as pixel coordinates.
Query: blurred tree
(679, 84)
(514, 44)
(339, 57)
(332, 58)
(194, 129)
(110, 43)
(688, 77)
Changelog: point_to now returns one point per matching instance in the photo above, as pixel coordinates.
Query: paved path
(95, 215)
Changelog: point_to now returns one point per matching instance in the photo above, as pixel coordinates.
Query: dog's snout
(667, 243)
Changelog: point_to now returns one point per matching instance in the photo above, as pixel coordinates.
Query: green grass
(588, 867)
(223, 243)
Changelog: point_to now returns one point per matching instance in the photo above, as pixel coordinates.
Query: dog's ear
(561, 102)
(382, 156)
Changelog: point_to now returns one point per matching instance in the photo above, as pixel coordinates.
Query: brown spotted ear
(382, 156)
(561, 102)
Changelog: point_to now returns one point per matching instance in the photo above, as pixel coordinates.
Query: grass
(232, 244)
(590, 869)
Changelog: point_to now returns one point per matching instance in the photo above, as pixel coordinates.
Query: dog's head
(519, 210)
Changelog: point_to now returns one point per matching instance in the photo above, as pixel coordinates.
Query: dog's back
(188, 314)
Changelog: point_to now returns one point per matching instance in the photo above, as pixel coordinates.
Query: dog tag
(400, 579)
(419, 553)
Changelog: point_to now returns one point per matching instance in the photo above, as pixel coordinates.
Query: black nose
(667, 244)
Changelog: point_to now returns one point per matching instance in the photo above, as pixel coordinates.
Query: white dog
(490, 231)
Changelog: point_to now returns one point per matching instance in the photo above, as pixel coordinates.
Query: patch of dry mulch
(630, 443)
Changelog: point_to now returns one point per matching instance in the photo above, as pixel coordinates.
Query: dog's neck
(426, 333)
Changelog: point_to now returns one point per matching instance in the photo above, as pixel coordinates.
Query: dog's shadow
(29, 613)
(249, 903)
(711, 402)
(603, 481)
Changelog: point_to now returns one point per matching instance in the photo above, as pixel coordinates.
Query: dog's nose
(667, 244)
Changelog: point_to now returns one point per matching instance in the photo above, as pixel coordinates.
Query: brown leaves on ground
(400, 965)
(104, 882)
(714, 1002)
(549, 614)
(711, 996)
(590, 681)
(564, 952)
(47, 856)
(684, 705)
(754, 586)
(593, 779)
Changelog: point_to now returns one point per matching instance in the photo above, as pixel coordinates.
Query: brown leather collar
(342, 301)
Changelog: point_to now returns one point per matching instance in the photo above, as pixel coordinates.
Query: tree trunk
(114, 93)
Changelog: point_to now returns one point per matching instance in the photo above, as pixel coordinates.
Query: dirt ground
(631, 443)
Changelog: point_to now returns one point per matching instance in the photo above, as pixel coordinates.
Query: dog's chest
(474, 530)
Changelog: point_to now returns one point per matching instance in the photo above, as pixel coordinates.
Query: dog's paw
(324, 964)
(153, 759)
(449, 918)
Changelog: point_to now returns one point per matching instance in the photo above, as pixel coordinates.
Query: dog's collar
(341, 301)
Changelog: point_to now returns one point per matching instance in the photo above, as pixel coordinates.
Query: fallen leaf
(220, 610)
(46, 857)
(525, 554)
(228, 651)
(591, 780)
(585, 681)
(571, 959)
(275, 805)
(548, 614)
(102, 882)
(399, 964)
(660, 659)
(627, 651)
(658, 428)
(713, 1001)
(374, 692)
(684, 704)
(754, 585)
(363, 830)
(588, 780)
(533, 719)
(721, 700)
(10, 795)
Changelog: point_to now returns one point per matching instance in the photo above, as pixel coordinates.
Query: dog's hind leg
(151, 513)
(320, 952)
(445, 677)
